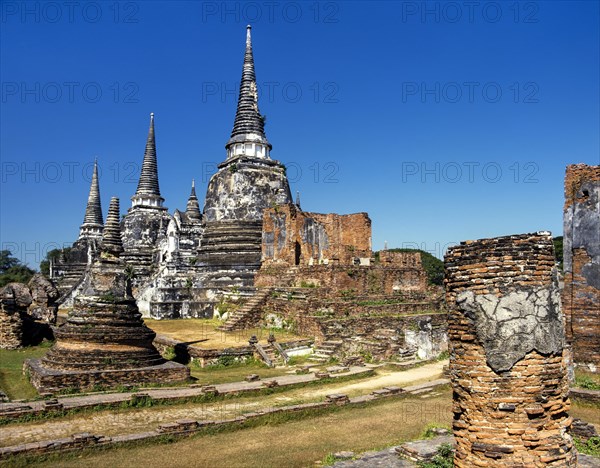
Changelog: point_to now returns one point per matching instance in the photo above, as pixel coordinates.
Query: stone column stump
(507, 364)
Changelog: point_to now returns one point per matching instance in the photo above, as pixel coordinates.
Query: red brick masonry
(507, 364)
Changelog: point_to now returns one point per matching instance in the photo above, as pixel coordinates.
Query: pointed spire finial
(92, 221)
(148, 191)
(249, 124)
(111, 237)
(298, 199)
(192, 209)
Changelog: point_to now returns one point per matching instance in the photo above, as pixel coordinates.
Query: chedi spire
(192, 209)
(111, 237)
(148, 191)
(92, 221)
(248, 135)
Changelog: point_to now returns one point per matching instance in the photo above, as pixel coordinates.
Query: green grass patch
(444, 458)
(234, 371)
(12, 380)
(380, 302)
(590, 447)
(430, 430)
(297, 360)
(148, 401)
(587, 380)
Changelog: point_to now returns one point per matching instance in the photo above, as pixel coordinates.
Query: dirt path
(131, 421)
(398, 378)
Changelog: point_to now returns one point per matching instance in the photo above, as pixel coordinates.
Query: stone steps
(242, 316)
(325, 351)
(250, 311)
(270, 351)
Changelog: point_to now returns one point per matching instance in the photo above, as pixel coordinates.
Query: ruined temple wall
(381, 333)
(294, 237)
(581, 251)
(390, 336)
(291, 314)
(355, 280)
(404, 259)
(507, 361)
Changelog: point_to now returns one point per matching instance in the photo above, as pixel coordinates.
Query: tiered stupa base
(47, 380)
(104, 343)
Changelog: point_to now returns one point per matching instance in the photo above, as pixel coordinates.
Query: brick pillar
(581, 294)
(11, 323)
(507, 361)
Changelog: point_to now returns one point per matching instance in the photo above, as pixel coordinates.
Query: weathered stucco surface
(243, 188)
(507, 362)
(581, 251)
(513, 325)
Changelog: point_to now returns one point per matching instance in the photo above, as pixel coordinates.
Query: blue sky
(443, 121)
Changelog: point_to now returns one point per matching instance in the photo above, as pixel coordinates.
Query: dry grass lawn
(204, 334)
(293, 444)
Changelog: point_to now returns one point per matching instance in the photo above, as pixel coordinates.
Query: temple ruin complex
(187, 264)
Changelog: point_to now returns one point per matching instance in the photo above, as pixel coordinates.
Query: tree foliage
(558, 250)
(12, 270)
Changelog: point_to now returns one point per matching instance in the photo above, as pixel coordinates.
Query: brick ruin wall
(11, 323)
(384, 311)
(400, 259)
(507, 357)
(382, 331)
(355, 280)
(26, 312)
(50, 381)
(294, 237)
(581, 249)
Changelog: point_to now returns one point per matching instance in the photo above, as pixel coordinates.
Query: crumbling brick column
(581, 241)
(11, 324)
(507, 361)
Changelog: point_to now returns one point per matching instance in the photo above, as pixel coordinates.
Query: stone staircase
(407, 359)
(324, 352)
(249, 313)
(272, 354)
(274, 358)
(70, 278)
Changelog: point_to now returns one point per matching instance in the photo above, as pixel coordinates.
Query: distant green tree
(431, 264)
(7, 260)
(558, 250)
(12, 270)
